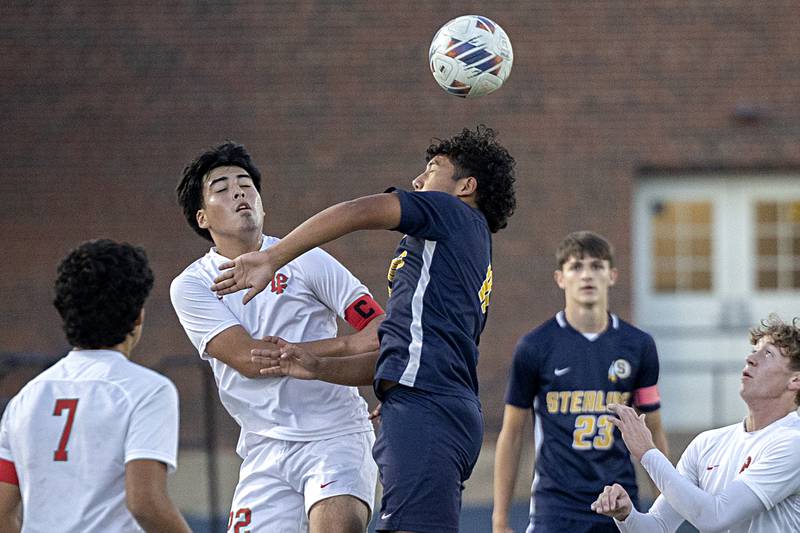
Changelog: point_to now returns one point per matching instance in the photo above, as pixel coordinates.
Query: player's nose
(418, 182)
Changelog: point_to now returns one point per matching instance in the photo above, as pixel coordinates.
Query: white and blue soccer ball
(470, 56)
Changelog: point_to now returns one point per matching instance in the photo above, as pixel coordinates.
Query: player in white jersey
(87, 444)
(740, 478)
(305, 444)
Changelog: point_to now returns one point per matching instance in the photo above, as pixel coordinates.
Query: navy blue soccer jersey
(439, 285)
(572, 379)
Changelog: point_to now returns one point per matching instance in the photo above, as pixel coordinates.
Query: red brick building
(102, 106)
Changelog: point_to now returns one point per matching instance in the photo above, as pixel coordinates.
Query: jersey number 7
(70, 405)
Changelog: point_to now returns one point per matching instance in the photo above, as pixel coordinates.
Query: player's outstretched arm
(147, 499)
(9, 508)
(293, 360)
(255, 270)
(735, 503)
(506, 464)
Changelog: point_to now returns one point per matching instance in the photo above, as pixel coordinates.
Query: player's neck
(592, 319)
(234, 246)
(765, 413)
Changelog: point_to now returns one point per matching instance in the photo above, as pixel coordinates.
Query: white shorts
(280, 480)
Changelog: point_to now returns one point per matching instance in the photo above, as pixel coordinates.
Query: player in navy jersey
(568, 370)
(440, 282)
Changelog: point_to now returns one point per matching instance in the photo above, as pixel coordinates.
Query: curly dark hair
(784, 336)
(477, 153)
(190, 188)
(99, 291)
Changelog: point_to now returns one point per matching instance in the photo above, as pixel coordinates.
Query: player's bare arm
(233, 345)
(653, 422)
(147, 499)
(10, 499)
(506, 464)
(255, 270)
(295, 361)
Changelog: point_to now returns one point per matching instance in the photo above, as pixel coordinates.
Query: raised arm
(255, 270)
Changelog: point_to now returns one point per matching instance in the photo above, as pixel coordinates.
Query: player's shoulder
(540, 336)
(628, 329)
(711, 437)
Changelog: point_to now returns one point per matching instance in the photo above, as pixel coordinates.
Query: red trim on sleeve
(8, 474)
(361, 312)
(646, 396)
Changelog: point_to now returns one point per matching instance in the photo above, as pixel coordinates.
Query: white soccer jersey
(300, 305)
(72, 429)
(766, 460)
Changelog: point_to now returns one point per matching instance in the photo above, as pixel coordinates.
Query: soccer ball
(470, 56)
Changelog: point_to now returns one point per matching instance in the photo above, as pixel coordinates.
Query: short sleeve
(5, 434)
(646, 395)
(523, 378)
(153, 430)
(431, 215)
(330, 281)
(202, 315)
(774, 475)
(687, 464)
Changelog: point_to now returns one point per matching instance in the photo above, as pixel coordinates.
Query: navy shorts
(426, 448)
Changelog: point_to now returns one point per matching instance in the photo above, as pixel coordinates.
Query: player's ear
(201, 218)
(794, 382)
(558, 276)
(139, 319)
(612, 276)
(467, 186)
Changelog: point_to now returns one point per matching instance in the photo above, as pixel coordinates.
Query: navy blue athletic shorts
(426, 448)
(560, 524)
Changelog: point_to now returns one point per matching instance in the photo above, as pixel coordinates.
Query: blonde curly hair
(784, 336)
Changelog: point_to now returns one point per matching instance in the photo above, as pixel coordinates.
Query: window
(682, 254)
(778, 245)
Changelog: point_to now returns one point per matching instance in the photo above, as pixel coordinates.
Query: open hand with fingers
(285, 359)
(635, 433)
(614, 502)
(252, 271)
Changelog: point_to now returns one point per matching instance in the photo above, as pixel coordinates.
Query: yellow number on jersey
(588, 426)
(486, 290)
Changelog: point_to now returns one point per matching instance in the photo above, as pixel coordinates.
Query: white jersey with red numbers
(301, 304)
(768, 461)
(70, 432)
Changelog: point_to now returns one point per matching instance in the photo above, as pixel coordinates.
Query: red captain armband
(646, 396)
(361, 312)
(8, 474)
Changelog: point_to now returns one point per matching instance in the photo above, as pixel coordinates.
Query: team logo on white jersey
(619, 369)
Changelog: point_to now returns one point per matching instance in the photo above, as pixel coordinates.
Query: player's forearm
(380, 211)
(506, 466)
(164, 518)
(353, 370)
(705, 511)
(361, 342)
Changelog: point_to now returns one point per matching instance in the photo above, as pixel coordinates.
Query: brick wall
(103, 104)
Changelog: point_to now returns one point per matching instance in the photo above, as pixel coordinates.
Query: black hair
(100, 290)
(477, 153)
(190, 188)
(579, 244)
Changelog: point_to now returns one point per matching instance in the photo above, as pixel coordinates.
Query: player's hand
(252, 271)
(635, 433)
(614, 502)
(375, 413)
(286, 360)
